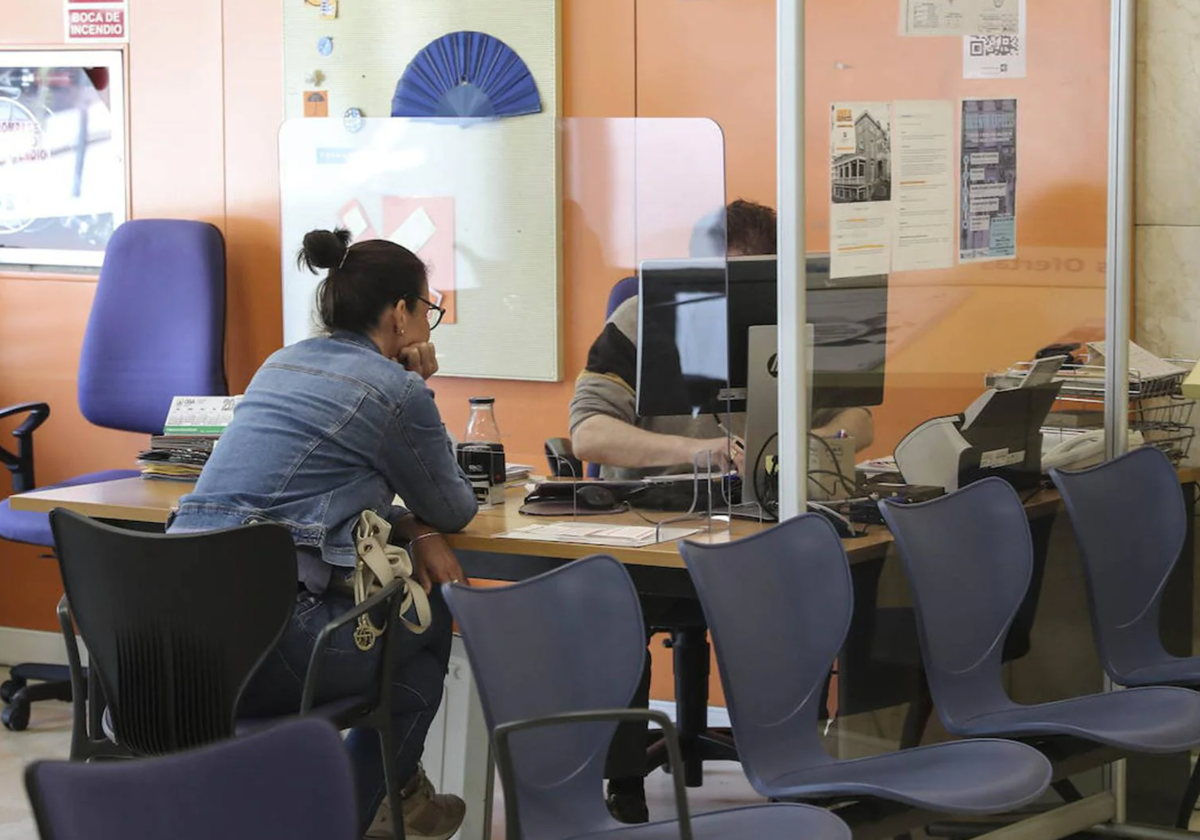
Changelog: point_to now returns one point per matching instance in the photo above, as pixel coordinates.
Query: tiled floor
(49, 736)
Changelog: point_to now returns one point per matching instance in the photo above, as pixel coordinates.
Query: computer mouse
(591, 497)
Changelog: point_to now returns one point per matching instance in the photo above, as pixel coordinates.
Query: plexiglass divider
(508, 240)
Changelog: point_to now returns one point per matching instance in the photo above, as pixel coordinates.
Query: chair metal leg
(917, 718)
(1188, 805)
(387, 744)
(1067, 790)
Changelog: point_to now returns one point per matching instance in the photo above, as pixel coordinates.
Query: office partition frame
(793, 361)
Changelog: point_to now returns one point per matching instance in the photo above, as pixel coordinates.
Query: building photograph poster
(988, 208)
(860, 170)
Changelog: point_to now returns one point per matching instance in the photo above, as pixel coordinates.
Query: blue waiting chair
(291, 781)
(558, 658)
(779, 606)
(1131, 526)
(969, 560)
(156, 331)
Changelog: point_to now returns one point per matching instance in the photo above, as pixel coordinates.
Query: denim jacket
(330, 427)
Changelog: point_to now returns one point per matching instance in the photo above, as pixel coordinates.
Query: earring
(398, 331)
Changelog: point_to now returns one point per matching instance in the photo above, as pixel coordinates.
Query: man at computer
(604, 425)
(606, 430)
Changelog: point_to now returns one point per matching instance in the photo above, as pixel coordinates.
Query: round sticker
(325, 45)
(353, 120)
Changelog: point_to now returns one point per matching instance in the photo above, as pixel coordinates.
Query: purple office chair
(779, 606)
(557, 659)
(1131, 525)
(156, 330)
(293, 781)
(969, 558)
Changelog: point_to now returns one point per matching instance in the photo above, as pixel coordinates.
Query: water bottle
(481, 454)
(481, 425)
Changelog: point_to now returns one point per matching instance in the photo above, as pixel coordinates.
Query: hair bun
(324, 248)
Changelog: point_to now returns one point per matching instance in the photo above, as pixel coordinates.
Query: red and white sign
(94, 21)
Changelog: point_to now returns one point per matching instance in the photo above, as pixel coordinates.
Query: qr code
(983, 46)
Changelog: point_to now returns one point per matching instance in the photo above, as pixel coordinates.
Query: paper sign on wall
(959, 17)
(988, 205)
(860, 176)
(996, 56)
(97, 21)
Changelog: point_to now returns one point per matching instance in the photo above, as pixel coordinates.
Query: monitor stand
(762, 416)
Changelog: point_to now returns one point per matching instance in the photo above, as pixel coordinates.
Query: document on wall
(924, 185)
(988, 203)
(996, 56)
(959, 17)
(860, 170)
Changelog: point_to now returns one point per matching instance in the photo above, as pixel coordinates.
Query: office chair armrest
(504, 764)
(390, 595)
(21, 464)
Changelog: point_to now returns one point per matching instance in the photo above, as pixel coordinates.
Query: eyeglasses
(434, 314)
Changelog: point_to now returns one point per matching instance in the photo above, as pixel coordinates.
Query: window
(62, 155)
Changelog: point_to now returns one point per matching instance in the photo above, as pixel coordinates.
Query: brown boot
(428, 815)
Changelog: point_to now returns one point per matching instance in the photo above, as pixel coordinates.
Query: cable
(761, 492)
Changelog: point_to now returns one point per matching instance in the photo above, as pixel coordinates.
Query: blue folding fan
(466, 74)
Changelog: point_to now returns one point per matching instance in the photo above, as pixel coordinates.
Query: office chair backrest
(778, 605)
(292, 780)
(969, 561)
(570, 640)
(1130, 523)
(157, 325)
(175, 624)
(622, 291)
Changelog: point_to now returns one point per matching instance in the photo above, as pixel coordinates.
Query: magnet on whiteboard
(353, 120)
(325, 45)
(315, 79)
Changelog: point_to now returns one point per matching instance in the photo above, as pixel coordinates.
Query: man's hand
(726, 452)
(420, 359)
(435, 563)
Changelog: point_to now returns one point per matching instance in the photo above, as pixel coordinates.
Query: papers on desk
(614, 536)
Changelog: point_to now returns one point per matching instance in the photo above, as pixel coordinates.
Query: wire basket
(1157, 408)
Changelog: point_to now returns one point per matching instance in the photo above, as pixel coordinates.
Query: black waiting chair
(292, 781)
(176, 625)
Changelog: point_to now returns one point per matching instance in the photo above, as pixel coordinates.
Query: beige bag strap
(380, 563)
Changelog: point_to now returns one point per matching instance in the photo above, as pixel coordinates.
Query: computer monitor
(693, 335)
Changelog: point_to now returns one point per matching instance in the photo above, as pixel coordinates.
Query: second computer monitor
(694, 337)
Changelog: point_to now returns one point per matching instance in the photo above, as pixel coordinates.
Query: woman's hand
(420, 358)
(435, 562)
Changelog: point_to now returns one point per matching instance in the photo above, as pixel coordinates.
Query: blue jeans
(418, 677)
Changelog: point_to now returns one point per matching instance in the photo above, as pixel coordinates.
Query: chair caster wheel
(16, 716)
(9, 688)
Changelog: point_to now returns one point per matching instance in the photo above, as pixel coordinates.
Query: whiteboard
(502, 232)
(494, 186)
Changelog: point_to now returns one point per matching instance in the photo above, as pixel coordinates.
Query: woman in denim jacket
(330, 427)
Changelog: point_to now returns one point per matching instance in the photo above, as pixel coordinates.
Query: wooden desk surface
(141, 500)
(146, 501)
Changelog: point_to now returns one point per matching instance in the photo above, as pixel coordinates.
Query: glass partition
(992, 232)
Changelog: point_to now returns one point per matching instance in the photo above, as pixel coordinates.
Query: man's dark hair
(750, 229)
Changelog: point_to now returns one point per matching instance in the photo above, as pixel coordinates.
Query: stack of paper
(193, 426)
(518, 472)
(583, 533)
